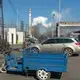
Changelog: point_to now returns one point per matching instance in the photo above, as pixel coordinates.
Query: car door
(58, 45)
(46, 46)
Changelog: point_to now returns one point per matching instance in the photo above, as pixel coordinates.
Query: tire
(35, 50)
(69, 51)
(43, 75)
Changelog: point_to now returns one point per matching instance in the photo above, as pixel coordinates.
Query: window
(68, 41)
(64, 40)
(77, 39)
(50, 41)
(60, 40)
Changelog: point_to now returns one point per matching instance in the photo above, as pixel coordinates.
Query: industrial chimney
(30, 23)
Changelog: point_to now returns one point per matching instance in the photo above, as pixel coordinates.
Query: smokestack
(30, 23)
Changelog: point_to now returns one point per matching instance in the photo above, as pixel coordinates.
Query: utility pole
(53, 24)
(30, 21)
(1, 6)
(17, 27)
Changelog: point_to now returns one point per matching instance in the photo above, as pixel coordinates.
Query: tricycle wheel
(43, 75)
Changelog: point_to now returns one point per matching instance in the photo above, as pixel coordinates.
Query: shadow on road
(54, 75)
(75, 55)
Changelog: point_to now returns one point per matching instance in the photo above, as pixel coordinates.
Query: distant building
(14, 36)
(69, 28)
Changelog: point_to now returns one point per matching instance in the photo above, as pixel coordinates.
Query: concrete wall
(21, 37)
(9, 35)
(15, 40)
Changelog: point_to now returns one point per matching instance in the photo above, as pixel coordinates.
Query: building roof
(67, 23)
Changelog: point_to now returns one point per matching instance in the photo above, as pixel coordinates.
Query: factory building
(69, 29)
(15, 37)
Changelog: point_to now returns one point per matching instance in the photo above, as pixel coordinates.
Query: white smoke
(43, 21)
(56, 15)
(40, 21)
(67, 15)
(63, 15)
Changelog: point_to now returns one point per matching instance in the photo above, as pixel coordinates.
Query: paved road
(72, 74)
(74, 68)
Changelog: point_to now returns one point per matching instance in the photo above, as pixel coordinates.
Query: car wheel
(69, 51)
(35, 50)
(43, 75)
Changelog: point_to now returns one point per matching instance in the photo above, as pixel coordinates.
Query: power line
(13, 8)
(16, 13)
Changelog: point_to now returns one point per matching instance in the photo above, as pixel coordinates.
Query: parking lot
(72, 74)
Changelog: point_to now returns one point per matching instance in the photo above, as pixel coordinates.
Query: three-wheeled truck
(43, 63)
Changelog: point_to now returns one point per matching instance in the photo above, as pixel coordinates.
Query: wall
(9, 35)
(21, 37)
(66, 28)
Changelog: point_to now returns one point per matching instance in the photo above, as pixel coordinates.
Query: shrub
(4, 47)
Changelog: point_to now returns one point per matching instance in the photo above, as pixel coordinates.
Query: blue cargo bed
(53, 62)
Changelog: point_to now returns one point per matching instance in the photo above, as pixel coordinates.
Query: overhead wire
(13, 8)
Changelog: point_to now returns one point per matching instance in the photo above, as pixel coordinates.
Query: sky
(43, 11)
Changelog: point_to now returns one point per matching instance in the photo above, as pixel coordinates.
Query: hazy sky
(41, 10)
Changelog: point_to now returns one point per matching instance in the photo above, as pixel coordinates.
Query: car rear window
(68, 41)
(59, 40)
(77, 39)
(64, 40)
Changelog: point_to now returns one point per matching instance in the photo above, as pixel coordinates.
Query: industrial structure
(14, 36)
(30, 22)
(69, 28)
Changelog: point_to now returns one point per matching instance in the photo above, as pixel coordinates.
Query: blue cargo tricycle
(43, 63)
